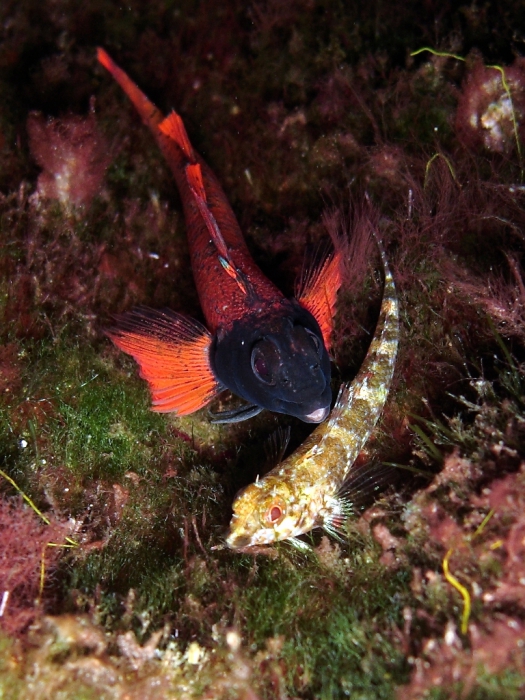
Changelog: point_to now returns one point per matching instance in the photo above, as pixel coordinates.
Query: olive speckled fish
(305, 490)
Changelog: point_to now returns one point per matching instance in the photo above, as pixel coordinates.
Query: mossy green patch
(329, 626)
(84, 416)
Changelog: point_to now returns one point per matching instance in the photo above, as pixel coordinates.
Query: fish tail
(361, 402)
(169, 132)
(151, 116)
(386, 344)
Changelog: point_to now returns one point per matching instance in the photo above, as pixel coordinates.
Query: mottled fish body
(304, 491)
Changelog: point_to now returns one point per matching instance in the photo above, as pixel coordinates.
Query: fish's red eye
(274, 514)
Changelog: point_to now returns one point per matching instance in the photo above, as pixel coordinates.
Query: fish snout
(317, 416)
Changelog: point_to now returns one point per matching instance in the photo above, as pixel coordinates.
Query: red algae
(10, 368)
(445, 663)
(73, 155)
(24, 551)
(503, 300)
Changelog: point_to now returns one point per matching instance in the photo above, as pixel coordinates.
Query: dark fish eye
(264, 358)
(315, 339)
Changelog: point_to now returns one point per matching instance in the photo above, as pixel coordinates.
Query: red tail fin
(173, 354)
(151, 116)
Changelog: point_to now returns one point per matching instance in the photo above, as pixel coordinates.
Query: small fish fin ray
(173, 354)
(300, 545)
(317, 288)
(358, 492)
(173, 127)
(334, 527)
(275, 446)
(343, 399)
(236, 415)
(364, 482)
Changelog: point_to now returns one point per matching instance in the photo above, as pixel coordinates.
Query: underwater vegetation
(308, 112)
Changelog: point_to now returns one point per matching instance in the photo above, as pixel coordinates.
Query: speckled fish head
(263, 513)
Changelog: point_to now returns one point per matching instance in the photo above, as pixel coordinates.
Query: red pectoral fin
(317, 292)
(173, 354)
(194, 178)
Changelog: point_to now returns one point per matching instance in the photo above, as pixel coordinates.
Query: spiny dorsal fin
(173, 127)
(276, 445)
(317, 291)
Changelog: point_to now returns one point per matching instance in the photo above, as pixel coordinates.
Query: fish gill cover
(299, 107)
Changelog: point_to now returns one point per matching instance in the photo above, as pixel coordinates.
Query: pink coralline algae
(23, 552)
(491, 107)
(73, 157)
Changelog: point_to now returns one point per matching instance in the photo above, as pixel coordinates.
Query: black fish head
(277, 361)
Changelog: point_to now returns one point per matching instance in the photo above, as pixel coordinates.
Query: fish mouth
(318, 415)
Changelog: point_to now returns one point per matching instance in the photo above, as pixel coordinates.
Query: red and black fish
(265, 348)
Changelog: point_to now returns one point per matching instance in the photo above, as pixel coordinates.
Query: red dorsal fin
(173, 354)
(194, 177)
(173, 127)
(317, 292)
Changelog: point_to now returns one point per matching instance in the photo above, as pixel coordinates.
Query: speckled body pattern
(304, 490)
